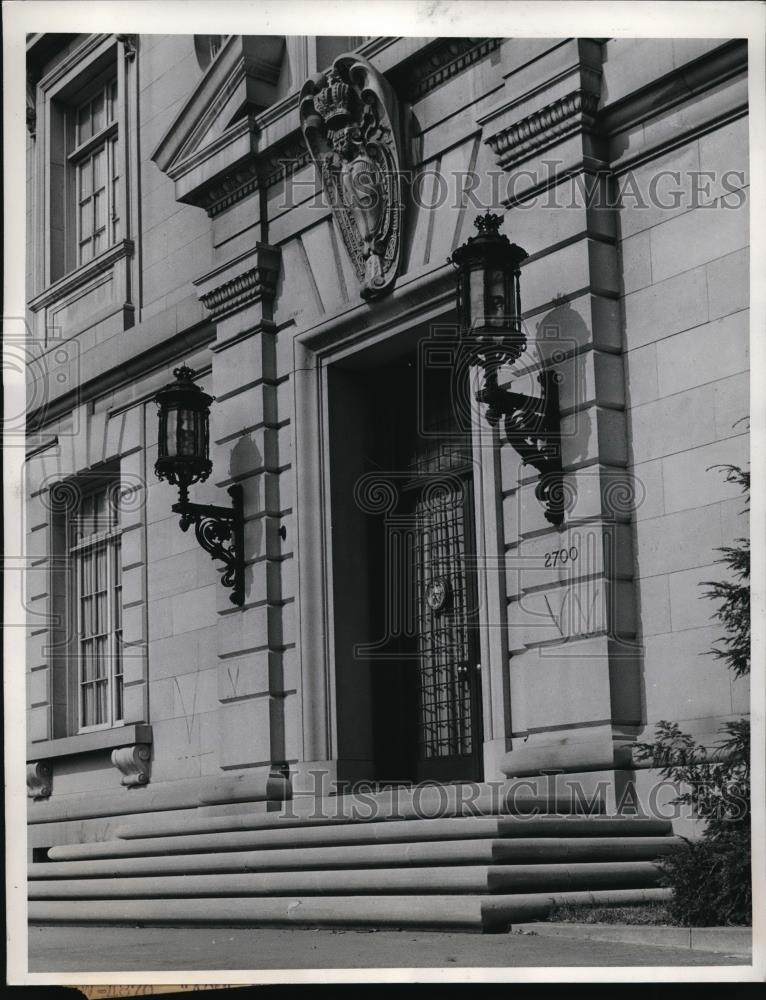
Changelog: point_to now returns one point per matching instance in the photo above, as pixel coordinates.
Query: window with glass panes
(97, 172)
(94, 550)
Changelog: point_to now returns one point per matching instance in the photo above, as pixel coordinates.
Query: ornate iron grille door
(448, 690)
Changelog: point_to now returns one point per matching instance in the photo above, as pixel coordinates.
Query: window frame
(65, 636)
(80, 152)
(56, 278)
(110, 540)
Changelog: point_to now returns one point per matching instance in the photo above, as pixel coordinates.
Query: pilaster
(246, 449)
(574, 668)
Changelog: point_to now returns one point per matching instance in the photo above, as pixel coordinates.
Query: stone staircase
(483, 870)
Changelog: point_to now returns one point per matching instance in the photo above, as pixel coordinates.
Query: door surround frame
(419, 298)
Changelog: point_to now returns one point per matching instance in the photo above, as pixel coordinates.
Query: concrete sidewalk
(145, 949)
(721, 940)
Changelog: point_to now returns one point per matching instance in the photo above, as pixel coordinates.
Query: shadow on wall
(559, 336)
(245, 459)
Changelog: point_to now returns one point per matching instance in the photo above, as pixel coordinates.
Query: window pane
(87, 660)
(100, 210)
(86, 252)
(103, 693)
(83, 123)
(85, 574)
(98, 112)
(85, 178)
(88, 705)
(114, 158)
(101, 662)
(112, 100)
(101, 623)
(86, 218)
(99, 172)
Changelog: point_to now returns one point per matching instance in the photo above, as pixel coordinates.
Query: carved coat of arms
(350, 120)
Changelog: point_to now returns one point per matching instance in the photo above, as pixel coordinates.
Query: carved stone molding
(134, 763)
(284, 159)
(129, 46)
(32, 104)
(236, 284)
(445, 59)
(570, 113)
(262, 172)
(350, 119)
(39, 779)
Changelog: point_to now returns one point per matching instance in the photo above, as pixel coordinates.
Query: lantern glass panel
(497, 311)
(476, 296)
(187, 433)
(171, 423)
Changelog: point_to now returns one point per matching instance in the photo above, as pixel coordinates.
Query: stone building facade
(177, 216)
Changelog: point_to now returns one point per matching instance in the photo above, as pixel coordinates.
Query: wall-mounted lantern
(183, 459)
(491, 330)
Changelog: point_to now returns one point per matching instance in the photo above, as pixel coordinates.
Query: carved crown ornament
(350, 121)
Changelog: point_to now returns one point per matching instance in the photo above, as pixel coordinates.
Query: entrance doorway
(412, 634)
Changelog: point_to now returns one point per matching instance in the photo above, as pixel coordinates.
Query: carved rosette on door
(350, 120)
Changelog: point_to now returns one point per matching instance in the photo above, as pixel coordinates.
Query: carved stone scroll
(350, 120)
(134, 763)
(39, 780)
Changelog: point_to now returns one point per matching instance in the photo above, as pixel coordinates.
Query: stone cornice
(73, 59)
(440, 62)
(245, 126)
(279, 161)
(275, 147)
(568, 114)
(688, 80)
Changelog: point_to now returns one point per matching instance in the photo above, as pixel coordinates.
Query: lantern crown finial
(489, 223)
(183, 373)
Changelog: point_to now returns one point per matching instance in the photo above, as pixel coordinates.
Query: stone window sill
(82, 275)
(102, 739)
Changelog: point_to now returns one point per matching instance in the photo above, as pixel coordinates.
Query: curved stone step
(455, 852)
(424, 803)
(367, 833)
(438, 911)
(454, 879)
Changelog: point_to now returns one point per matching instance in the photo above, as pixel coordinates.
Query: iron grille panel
(445, 723)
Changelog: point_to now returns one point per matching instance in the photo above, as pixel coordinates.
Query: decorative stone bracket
(39, 779)
(250, 278)
(518, 141)
(130, 46)
(134, 763)
(526, 123)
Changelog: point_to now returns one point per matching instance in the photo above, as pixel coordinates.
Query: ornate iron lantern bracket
(489, 311)
(183, 460)
(220, 532)
(532, 429)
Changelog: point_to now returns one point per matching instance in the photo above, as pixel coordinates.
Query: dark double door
(427, 692)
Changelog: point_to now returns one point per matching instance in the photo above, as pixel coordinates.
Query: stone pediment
(211, 143)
